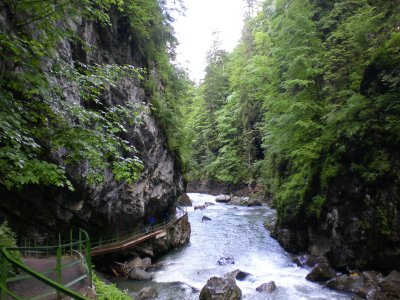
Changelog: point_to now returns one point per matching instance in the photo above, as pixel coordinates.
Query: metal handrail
(57, 286)
(101, 244)
(136, 233)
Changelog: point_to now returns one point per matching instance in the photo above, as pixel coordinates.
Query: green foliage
(9, 239)
(317, 84)
(108, 291)
(42, 131)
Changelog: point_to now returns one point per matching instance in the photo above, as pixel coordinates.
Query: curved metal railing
(112, 243)
(82, 247)
(51, 279)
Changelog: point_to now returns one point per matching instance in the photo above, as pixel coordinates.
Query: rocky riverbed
(237, 234)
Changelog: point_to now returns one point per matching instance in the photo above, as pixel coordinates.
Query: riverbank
(235, 231)
(364, 283)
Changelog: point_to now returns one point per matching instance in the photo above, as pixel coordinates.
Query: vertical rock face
(109, 207)
(359, 227)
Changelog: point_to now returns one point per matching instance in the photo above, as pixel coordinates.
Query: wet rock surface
(238, 275)
(347, 283)
(184, 200)
(147, 293)
(268, 287)
(139, 274)
(218, 288)
(223, 198)
(321, 272)
(176, 236)
(226, 260)
(111, 207)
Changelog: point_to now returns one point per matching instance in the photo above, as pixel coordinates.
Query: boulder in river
(390, 286)
(321, 272)
(205, 218)
(254, 202)
(199, 207)
(268, 287)
(370, 289)
(308, 260)
(139, 263)
(208, 204)
(148, 293)
(226, 260)
(184, 200)
(238, 275)
(139, 274)
(218, 288)
(347, 283)
(223, 198)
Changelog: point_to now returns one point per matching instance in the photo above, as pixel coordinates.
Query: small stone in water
(267, 287)
(226, 261)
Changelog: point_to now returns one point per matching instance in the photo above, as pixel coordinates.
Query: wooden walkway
(156, 232)
(45, 279)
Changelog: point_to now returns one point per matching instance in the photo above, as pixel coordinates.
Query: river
(237, 232)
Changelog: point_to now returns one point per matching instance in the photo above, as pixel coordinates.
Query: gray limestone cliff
(111, 207)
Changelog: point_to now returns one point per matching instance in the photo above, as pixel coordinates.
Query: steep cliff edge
(112, 206)
(358, 228)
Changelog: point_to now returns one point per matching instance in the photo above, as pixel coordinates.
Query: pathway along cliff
(237, 232)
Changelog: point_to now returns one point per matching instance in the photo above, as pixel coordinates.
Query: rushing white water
(237, 232)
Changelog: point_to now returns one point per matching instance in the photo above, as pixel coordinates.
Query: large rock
(370, 289)
(143, 264)
(254, 202)
(390, 286)
(184, 200)
(307, 260)
(270, 224)
(139, 274)
(218, 288)
(321, 272)
(346, 283)
(176, 236)
(201, 207)
(147, 293)
(223, 198)
(268, 287)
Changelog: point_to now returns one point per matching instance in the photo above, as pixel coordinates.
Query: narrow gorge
(105, 130)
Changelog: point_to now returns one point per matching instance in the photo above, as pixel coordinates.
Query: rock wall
(359, 227)
(177, 236)
(112, 206)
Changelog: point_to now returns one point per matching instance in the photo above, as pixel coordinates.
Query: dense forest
(99, 127)
(307, 105)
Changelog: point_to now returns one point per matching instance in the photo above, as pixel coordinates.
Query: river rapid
(237, 232)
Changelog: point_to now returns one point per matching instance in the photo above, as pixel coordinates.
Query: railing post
(88, 256)
(70, 240)
(89, 261)
(58, 269)
(4, 271)
(80, 241)
(34, 245)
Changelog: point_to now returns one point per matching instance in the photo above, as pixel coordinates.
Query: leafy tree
(42, 133)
